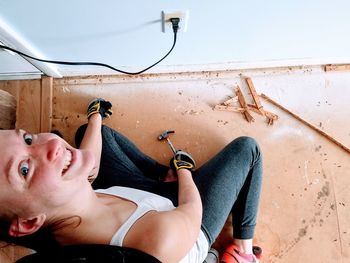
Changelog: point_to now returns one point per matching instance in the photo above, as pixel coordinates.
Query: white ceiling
(127, 34)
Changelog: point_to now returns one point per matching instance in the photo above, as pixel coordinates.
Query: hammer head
(164, 135)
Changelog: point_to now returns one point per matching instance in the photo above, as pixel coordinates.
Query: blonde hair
(8, 106)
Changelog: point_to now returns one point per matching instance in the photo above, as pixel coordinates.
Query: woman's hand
(101, 106)
(181, 160)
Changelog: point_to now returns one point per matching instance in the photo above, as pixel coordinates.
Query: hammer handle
(171, 146)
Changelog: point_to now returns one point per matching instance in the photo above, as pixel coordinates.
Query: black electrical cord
(174, 21)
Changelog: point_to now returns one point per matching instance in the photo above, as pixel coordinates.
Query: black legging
(229, 182)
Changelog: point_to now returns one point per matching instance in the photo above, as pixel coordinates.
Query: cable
(175, 24)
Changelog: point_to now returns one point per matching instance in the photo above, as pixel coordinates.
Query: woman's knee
(246, 143)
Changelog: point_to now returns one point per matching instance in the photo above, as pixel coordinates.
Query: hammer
(180, 155)
(165, 136)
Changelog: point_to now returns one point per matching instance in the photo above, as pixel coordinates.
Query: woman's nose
(52, 149)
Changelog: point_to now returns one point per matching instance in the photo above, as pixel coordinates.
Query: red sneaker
(257, 251)
(233, 255)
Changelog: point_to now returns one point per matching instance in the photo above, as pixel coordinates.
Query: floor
(304, 215)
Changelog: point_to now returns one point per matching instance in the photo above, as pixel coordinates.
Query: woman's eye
(28, 138)
(24, 168)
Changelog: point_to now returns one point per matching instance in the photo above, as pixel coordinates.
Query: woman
(45, 183)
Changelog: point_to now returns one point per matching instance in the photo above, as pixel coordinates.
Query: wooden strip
(228, 108)
(263, 112)
(270, 117)
(46, 104)
(253, 92)
(306, 123)
(231, 100)
(253, 108)
(337, 67)
(244, 105)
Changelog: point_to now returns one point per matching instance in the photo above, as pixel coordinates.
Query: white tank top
(145, 202)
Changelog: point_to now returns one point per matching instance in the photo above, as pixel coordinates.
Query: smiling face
(39, 172)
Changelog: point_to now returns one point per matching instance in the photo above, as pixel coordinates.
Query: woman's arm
(92, 141)
(170, 235)
(189, 199)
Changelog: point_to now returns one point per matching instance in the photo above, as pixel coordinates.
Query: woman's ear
(22, 227)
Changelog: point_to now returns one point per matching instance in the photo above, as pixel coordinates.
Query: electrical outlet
(167, 25)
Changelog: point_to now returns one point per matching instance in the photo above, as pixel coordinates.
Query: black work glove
(101, 106)
(182, 160)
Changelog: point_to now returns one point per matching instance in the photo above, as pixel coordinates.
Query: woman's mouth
(67, 161)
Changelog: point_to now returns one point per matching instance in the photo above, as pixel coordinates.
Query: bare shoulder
(158, 233)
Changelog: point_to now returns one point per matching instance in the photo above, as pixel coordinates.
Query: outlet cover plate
(166, 24)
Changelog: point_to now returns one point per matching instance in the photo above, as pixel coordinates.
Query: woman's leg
(231, 182)
(123, 164)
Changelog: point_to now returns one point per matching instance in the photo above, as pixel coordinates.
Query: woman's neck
(90, 218)
(80, 206)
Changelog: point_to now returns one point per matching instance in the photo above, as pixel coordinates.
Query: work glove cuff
(101, 106)
(182, 160)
